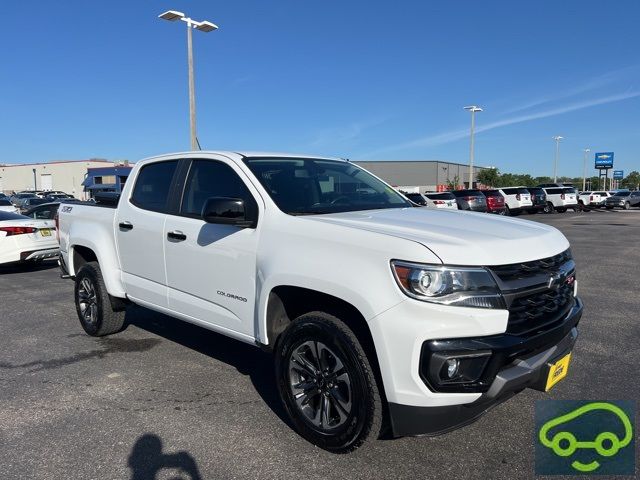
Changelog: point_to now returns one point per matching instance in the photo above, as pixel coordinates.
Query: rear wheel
(507, 210)
(326, 383)
(549, 208)
(93, 305)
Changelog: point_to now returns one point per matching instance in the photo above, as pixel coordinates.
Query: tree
(631, 181)
(489, 176)
(453, 184)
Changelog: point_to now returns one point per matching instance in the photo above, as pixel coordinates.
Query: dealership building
(67, 176)
(421, 175)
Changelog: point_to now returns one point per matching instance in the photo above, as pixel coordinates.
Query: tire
(93, 305)
(549, 208)
(350, 423)
(627, 206)
(507, 211)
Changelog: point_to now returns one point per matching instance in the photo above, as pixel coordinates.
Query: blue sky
(372, 79)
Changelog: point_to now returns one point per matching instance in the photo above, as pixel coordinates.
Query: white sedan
(23, 238)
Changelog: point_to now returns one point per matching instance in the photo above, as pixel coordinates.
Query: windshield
(311, 186)
(622, 194)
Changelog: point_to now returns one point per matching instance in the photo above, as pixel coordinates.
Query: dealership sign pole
(604, 162)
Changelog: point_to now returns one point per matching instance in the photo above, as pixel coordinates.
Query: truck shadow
(147, 460)
(246, 359)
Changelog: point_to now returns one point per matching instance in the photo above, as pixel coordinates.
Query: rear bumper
(525, 364)
(39, 254)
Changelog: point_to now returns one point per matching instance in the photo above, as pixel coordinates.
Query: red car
(495, 202)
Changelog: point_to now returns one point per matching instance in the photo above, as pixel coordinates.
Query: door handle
(176, 235)
(125, 225)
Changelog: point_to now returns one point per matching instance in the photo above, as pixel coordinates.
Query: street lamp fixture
(557, 138)
(473, 109)
(203, 26)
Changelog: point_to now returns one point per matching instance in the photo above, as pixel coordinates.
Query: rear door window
(510, 191)
(151, 191)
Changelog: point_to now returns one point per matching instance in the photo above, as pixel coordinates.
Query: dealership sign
(604, 160)
(618, 174)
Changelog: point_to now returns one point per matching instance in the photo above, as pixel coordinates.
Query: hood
(458, 237)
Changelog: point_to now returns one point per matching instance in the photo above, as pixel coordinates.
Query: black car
(45, 211)
(416, 198)
(28, 203)
(470, 199)
(538, 198)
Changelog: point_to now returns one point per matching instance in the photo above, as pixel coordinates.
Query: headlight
(459, 286)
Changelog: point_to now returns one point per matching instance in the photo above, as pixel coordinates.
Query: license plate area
(557, 371)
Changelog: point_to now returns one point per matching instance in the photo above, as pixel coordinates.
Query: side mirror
(229, 211)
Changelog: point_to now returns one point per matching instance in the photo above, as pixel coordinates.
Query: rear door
(211, 268)
(139, 227)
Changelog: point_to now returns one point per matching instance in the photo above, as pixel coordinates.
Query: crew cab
(593, 199)
(560, 199)
(383, 317)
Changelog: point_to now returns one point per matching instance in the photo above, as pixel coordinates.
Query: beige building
(66, 176)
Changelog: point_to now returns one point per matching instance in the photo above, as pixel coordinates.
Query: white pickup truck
(382, 318)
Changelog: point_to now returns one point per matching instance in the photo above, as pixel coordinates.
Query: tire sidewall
(311, 328)
(88, 272)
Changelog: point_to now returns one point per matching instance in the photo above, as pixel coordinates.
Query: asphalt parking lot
(165, 399)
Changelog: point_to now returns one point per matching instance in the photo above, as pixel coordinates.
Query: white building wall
(64, 176)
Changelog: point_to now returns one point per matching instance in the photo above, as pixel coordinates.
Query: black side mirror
(229, 211)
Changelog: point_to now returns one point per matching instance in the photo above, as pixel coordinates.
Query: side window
(209, 178)
(151, 190)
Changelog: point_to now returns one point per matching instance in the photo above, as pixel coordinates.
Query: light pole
(557, 138)
(584, 169)
(473, 109)
(203, 26)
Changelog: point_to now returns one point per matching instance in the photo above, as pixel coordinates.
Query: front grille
(517, 271)
(539, 311)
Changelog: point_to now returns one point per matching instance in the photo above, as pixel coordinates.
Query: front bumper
(518, 363)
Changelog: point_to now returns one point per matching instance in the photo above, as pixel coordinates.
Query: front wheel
(627, 206)
(93, 306)
(327, 384)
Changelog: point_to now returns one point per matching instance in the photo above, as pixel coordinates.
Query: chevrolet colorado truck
(383, 318)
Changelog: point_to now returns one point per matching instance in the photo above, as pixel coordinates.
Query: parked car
(7, 206)
(31, 202)
(516, 199)
(538, 199)
(46, 211)
(624, 200)
(58, 196)
(560, 199)
(446, 200)
(25, 239)
(416, 198)
(378, 313)
(470, 199)
(495, 202)
(17, 199)
(592, 199)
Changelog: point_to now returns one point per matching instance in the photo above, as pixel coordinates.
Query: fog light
(452, 367)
